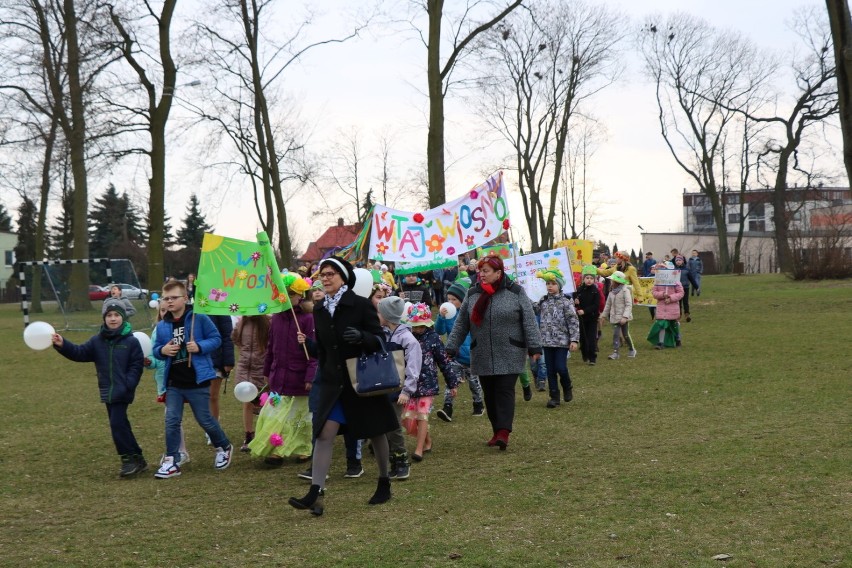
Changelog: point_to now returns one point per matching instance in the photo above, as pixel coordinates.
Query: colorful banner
(580, 251)
(239, 278)
(503, 250)
(401, 268)
(443, 232)
(644, 297)
(529, 264)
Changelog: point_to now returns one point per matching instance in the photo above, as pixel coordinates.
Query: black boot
(567, 389)
(383, 492)
(527, 393)
(313, 501)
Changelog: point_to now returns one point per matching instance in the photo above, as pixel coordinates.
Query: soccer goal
(55, 289)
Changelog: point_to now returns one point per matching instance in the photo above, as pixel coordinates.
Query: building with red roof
(336, 236)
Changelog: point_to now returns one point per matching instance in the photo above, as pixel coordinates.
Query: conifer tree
(27, 222)
(194, 226)
(5, 220)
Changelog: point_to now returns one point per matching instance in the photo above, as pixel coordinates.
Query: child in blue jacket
(118, 358)
(185, 341)
(443, 326)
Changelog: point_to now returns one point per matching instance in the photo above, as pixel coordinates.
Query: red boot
(493, 441)
(501, 439)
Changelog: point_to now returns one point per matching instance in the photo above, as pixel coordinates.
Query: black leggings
(684, 302)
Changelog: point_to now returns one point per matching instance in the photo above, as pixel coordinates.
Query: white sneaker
(614, 355)
(184, 458)
(632, 353)
(223, 457)
(168, 469)
(207, 437)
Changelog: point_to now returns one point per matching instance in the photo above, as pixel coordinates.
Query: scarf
(112, 334)
(484, 300)
(332, 301)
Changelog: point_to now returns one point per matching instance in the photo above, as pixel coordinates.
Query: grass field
(739, 443)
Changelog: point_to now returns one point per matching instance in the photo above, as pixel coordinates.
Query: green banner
(239, 278)
(414, 267)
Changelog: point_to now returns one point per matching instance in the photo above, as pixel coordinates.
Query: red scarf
(484, 301)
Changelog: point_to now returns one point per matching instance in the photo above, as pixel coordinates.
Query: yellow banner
(579, 252)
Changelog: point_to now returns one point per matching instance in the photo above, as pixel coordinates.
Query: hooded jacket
(559, 323)
(285, 366)
(200, 329)
(118, 360)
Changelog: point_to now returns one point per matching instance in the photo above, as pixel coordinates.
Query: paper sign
(529, 264)
(665, 277)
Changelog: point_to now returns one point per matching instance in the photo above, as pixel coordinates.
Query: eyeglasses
(326, 275)
(171, 298)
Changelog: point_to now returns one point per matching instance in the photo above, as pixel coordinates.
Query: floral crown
(419, 314)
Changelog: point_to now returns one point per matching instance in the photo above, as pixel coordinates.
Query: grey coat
(508, 333)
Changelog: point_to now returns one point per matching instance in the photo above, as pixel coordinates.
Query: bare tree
(462, 33)
(347, 168)
(247, 67)
(575, 216)
(155, 112)
(543, 63)
(841, 33)
(696, 70)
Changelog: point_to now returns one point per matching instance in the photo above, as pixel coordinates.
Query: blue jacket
(118, 360)
(647, 266)
(206, 336)
(444, 326)
(224, 355)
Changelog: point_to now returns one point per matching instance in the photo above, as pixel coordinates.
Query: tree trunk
(841, 33)
(159, 118)
(49, 142)
(435, 141)
(78, 298)
(784, 256)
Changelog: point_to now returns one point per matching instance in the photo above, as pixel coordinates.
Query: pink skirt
(416, 409)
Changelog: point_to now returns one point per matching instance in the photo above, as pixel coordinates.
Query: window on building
(9, 259)
(699, 200)
(757, 225)
(757, 211)
(734, 199)
(733, 217)
(704, 220)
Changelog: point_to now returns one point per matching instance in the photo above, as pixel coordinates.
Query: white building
(7, 247)
(812, 212)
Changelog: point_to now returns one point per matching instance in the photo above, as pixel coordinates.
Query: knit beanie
(116, 307)
(391, 308)
(459, 288)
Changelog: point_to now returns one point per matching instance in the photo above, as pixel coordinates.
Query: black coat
(366, 417)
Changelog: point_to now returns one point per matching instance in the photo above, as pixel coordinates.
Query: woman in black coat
(346, 325)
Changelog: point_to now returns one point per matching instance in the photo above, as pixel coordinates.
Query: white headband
(339, 265)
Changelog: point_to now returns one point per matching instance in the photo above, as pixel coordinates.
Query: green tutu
(289, 417)
(671, 333)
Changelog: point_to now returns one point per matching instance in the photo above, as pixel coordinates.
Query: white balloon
(154, 304)
(38, 335)
(363, 282)
(451, 310)
(144, 342)
(245, 391)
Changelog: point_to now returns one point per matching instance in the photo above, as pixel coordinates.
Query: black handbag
(377, 373)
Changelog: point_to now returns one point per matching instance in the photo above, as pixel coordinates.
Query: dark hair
(172, 283)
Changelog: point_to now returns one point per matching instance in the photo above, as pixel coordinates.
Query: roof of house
(338, 235)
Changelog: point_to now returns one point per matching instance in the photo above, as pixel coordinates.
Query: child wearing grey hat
(390, 315)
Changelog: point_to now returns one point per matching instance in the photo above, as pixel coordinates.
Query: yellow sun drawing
(211, 242)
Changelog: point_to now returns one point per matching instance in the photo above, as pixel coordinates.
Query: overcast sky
(376, 84)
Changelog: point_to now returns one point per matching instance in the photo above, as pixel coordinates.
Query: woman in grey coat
(500, 319)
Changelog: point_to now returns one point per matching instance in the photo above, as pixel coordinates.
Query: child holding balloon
(444, 325)
(118, 357)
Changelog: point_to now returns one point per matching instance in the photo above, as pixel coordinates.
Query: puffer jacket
(508, 334)
(118, 360)
(619, 304)
(252, 355)
(286, 367)
(444, 326)
(670, 311)
(590, 299)
(206, 336)
(559, 324)
(434, 357)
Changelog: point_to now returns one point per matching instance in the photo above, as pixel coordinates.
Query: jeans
(538, 369)
(122, 434)
(199, 402)
(556, 359)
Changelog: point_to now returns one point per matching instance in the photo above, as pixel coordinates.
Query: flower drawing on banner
(468, 240)
(255, 256)
(435, 243)
(234, 308)
(418, 217)
(382, 248)
(474, 194)
(506, 223)
(282, 298)
(242, 274)
(202, 302)
(261, 308)
(451, 250)
(217, 295)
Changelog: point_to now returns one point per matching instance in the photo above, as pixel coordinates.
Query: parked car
(129, 291)
(97, 292)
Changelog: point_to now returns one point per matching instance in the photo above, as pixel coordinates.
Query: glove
(352, 335)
